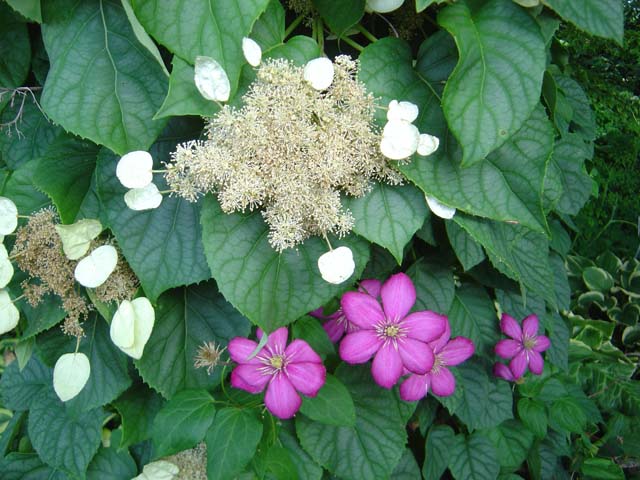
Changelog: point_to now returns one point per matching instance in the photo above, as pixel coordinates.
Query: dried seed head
(208, 356)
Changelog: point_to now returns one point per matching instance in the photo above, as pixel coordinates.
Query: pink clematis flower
(501, 370)
(283, 370)
(440, 379)
(338, 325)
(396, 339)
(524, 347)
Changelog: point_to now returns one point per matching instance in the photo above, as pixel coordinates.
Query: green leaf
(512, 443)
(47, 314)
(604, 18)
(473, 458)
(231, 442)
(340, 16)
(217, 33)
(110, 463)
(112, 99)
(299, 50)
(468, 251)
(497, 82)
(472, 315)
(567, 166)
(15, 49)
(11, 430)
(19, 187)
(436, 451)
(407, 469)
(162, 246)
(389, 216)
(27, 8)
(28, 466)
(533, 415)
(332, 406)
(602, 469)
(185, 318)
(142, 35)
(271, 289)
(559, 334)
(304, 464)
(434, 286)
(63, 438)
(21, 388)
(137, 408)
(268, 31)
(64, 173)
(311, 331)
(561, 285)
(370, 449)
(182, 422)
(597, 279)
(583, 119)
(566, 415)
(423, 4)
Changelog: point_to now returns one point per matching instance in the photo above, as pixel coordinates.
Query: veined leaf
(20, 388)
(468, 251)
(332, 406)
(15, 49)
(138, 408)
(27, 8)
(568, 166)
(112, 463)
(18, 466)
(599, 17)
(437, 450)
(434, 286)
(473, 458)
(340, 16)
(472, 315)
(512, 442)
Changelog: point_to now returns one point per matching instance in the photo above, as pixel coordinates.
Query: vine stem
(367, 34)
(352, 43)
(293, 26)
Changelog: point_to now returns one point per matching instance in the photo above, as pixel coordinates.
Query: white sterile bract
(94, 269)
(439, 209)
(319, 73)
(252, 51)
(427, 144)
(70, 375)
(406, 111)
(399, 140)
(6, 267)
(9, 314)
(383, 6)
(132, 325)
(134, 169)
(76, 238)
(8, 216)
(336, 265)
(211, 80)
(158, 470)
(146, 198)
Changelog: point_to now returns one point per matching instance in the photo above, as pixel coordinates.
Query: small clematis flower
(134, 169)
(447, 352)
(132, 325)
(396, 339)
(70, 375)
(427, 144)
(524, 347)
(158, 470)
(337, 324)
(319, 73)
(9, 314)
(76, 238)
(283, 370)
(252, 51)
(211, 80)
(501, 370)
(94, 269)
(399, 139)
(146, 198)
(336, 265)
(6, 267)
(8, 216)
(439, 209)
(402, 111)
(383, 6)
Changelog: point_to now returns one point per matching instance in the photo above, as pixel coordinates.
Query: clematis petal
(510, 326)
(443, 383)
(530, 326)
(387, 366)
(359, 347)
(439, 343)
(518, 364)
(370, 286)
(508, 348)
(426, 326)
(502, 371)
(299, 351)
(457, 351)
(307, 377)
(398, 296)
(253, 376)
(277, 341)
(536, 363)
(334, 330)
(542, 343)
(281, 398)
(361, 309)
(416, 356)
(241, 348)
(414, 388)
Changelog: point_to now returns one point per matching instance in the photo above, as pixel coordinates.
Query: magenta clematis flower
(524, 347)
(396, 339)
(501, 370)
(338, 325)
(440, 379)
(283, 370)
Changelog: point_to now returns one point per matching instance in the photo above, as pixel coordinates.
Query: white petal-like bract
(8, 216)
(70, 375)
(158, 470)
(6, 267)
(146, 198)
(427, 144)
(439, 209)
(76, 238)
(132, 325)
(337, 265)
(134, 169)
(319, 73)
(9, 314)
(252, 51)
(406, 111)
(211, 79)
(399, 140)
(383, 6)
(94, 269)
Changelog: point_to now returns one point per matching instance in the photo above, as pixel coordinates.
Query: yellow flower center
(529, 343)
(276, 361)
(391, 331)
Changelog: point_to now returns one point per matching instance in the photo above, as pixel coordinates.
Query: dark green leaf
(407, 469)
(472, 315)
(438, 446)
(11, 430)
(434, 286)
(299, 50)
(28, 8)
(137, 408)
(559, 335)
(534, 416)
(20, 388)
(602, 469)
(599, 17)
(47, 314)
(512, 442)
(110, 463)
(304, 464)
(310, 330)
(15, 49)
(567, 166)
(332, 406)
(468, 251)
(268, 31)
(340, 16)
(566, 415)
(28, 466)
(473, 458)
(19, 188)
